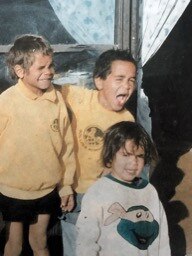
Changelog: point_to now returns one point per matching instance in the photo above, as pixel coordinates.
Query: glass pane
(61, 22)
(31, 16)
(44, 17)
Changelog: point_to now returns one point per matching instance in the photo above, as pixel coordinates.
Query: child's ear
(98, 83)
(19, 71)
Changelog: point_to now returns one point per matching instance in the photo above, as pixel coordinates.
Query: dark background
(167, 82)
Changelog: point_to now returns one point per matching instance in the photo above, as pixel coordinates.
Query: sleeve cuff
(67, 190)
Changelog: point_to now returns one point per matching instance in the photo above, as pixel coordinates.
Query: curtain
(88, 21)
(157, 18)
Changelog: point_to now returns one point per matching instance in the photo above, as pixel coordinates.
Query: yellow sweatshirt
(36, 144)
(89, 122)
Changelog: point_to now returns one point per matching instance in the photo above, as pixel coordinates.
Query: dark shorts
(19, 210)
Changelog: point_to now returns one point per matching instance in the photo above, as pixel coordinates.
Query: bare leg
(14, 233)
(38, 235)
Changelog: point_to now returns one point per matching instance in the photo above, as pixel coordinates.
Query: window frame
(125, 31)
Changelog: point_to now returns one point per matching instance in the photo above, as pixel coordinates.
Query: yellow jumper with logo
(89, 122)
(36, 144)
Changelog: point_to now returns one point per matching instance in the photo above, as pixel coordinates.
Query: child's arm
(161, 245)
(164, 244)
(68, 163)
(88, 226)
(3, 122)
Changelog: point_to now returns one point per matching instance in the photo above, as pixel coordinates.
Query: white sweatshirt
(121, 219)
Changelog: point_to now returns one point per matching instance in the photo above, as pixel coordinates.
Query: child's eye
(126, 154)
(41, 67)
(132, 80)
(141, 156)
(119, 79)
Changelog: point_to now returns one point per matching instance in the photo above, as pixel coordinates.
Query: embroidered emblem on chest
(91, 138)
(55, 125)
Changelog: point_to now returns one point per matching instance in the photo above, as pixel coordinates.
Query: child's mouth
(122, 98)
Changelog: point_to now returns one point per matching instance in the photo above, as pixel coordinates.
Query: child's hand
(67, 203)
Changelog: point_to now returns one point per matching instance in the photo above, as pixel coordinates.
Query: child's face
(39, 76)
(117, 88)
(128, 162)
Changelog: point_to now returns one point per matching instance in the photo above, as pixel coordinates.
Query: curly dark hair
(117, 135)
(103, 64)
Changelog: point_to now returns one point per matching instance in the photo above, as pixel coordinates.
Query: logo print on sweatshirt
(55, 125)
(91, 138)
(137, 225)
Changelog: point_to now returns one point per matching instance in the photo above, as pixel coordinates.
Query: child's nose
(127, 85)
(49, 71)
(133, 159)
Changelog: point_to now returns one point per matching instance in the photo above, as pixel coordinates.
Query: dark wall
(167, 82)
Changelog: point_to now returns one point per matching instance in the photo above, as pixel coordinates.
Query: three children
(38, 163)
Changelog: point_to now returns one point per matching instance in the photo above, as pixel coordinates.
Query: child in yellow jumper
(36, 147)
(93, 111)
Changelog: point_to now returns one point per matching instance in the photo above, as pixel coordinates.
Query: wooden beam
(69, 47)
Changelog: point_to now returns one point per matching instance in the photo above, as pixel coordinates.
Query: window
(60, 23)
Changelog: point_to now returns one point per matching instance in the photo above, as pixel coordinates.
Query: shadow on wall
(166, 177)
(171, 115)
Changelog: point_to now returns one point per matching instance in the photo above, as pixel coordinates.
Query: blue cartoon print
(137, 224)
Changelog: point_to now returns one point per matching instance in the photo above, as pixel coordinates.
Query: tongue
(121, 99)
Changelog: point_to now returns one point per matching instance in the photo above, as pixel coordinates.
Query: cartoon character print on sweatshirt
(91, 137)
(137, 224)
